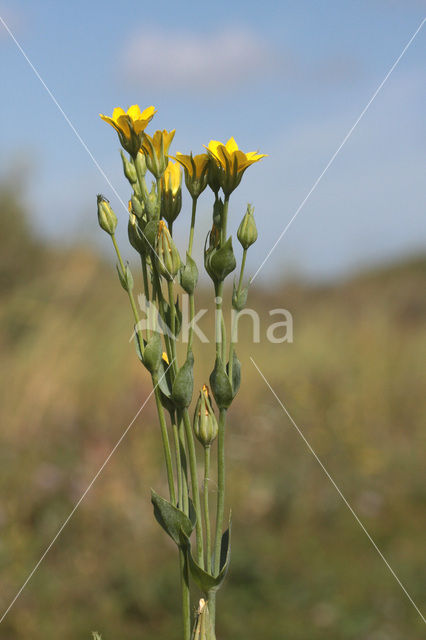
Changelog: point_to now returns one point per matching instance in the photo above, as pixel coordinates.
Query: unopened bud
(205, 423)
(129, 169)
(106, 216)
(247, 231)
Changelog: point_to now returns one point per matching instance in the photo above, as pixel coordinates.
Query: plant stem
(186, 599)
(194, 485)
(130, 294)
(235, 316)
(191, 295)
(191, 231)
(221, 488)
(206, 508)
(165, 438)
(178, 459)
(181, 432)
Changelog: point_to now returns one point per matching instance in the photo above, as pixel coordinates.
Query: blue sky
(287, 78)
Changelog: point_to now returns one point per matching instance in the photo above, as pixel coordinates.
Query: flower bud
(213, 240)
(140, 163)
(135, 234)
(247, 231)
(152, 354)
(106, 216)
(129, 169)
(221, 385)
(239, 298)
(189, 275)
(205, 423)
(183, 384)
(168, 256)
(222, 261)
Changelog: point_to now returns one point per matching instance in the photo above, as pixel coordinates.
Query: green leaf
(220, 385)
(205, 580)
(171, 519)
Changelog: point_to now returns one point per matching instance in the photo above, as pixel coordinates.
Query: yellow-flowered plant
(156, 150)
(153, 212)
(196, 171)
(130, 125)
(171, 192)
(232, 162)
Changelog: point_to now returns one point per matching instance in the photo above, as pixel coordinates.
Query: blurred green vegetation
(353, 380)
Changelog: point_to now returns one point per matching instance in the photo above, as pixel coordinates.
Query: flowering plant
(152, 213)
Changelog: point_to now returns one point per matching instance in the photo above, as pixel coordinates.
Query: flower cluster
(153, 211)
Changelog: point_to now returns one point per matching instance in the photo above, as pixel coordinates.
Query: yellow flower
(130, 126)
(196, 170)
(171, 192)
(232, 162)
(172, 177)
(156, 150)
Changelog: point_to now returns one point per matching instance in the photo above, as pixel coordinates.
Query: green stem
(221, 488)
(178, 458)
(191, 295)
(165, 438)
(194, 485)
(191, 231)
(224, 220)
(129, 293)
(186, 599)
(206, 508)
(181, 431)
(235, 316)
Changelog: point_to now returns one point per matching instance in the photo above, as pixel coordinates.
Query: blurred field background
(354, 382)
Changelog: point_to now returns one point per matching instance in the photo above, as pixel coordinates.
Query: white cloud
(185, 60)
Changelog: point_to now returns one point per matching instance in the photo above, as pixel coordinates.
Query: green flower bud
(220, 385)
(168, 256)
(140, 163)
(189, 275)
(153, 353)
(129, 169)
(136, 238)
(239, 298)
(126, 278)
(205, 423)
(213, 239)
(106, 216)
(247, 231)
(183, 384)
(222, 261)
(137, 206)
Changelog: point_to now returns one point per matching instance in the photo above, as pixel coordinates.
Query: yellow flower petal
(231, 145)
